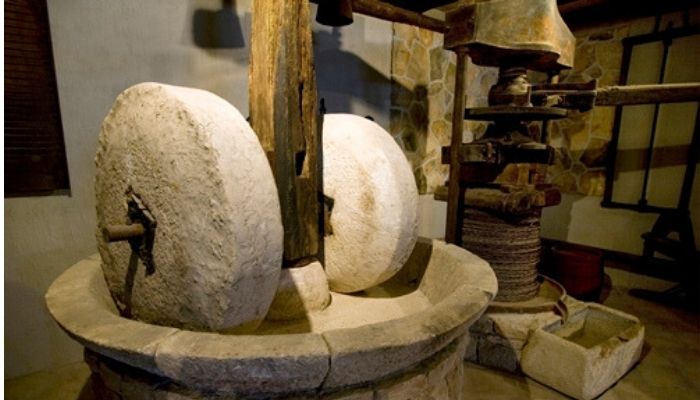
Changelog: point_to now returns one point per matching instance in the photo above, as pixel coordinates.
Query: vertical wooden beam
(455, 193)
(284, 115)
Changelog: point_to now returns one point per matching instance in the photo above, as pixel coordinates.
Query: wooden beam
(392, 13)
(283, 113)
(386, 11)
(647, 94)
(578, 5)
(580, 14)
(455, 195)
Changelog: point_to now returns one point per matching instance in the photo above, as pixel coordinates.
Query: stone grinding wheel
(374, 219)
(198, 167)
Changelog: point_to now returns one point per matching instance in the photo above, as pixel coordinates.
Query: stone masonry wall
(437, 378)
(423, 78)
(581, 141)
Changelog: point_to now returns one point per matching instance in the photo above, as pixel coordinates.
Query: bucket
(579, 269)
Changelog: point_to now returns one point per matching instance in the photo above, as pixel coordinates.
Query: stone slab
(79, 301)
(361, 354)
(439, 377)
(244, 363)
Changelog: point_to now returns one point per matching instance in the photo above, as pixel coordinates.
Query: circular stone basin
(359, 339)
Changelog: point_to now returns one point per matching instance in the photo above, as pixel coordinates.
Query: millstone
(375, 211)
(198, 167)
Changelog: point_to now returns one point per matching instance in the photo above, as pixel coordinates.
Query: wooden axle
(392, 13)
(118, 233)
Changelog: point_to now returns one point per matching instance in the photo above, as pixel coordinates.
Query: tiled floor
(670, 366)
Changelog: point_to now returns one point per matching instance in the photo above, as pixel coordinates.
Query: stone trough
(586, 355)
(407, 334)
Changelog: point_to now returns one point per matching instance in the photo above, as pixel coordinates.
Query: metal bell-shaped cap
(334, 12)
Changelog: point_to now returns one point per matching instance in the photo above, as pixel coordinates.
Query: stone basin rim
(80, 303)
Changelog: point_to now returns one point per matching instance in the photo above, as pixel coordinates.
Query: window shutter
(35, 159)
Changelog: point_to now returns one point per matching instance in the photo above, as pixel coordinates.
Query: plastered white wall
(101, 47)
(581, 219)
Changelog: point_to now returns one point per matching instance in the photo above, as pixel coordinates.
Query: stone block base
(497, 338)
(437, 378)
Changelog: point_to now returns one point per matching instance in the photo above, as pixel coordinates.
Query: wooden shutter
(35, 158)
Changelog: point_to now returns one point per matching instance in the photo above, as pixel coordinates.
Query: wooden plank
(455, 196)
(389, 12)
(647, 94)
(283, 113)
(420, 6)
(396, 13)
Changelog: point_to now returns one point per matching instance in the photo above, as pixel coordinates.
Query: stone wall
(422, 84)
(581, 141)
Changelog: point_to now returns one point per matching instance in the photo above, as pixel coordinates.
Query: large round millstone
(374, 218)
(198, 167)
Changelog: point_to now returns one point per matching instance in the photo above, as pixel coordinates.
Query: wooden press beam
(455, 194)
(389, 12)
(647, 94)
(283, 113)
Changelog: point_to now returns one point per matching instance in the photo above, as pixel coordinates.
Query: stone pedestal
(498, 338)
(402, 339)
(436, 378)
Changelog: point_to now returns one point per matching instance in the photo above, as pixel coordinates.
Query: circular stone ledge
(457, 285)
(436, 378)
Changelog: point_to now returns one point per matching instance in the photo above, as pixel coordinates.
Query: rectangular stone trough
(588, 354)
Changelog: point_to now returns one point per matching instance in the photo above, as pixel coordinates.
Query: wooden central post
(455, 194)
(284, 115)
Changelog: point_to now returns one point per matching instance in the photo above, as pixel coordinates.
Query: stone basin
(360, 339)
(586, 355)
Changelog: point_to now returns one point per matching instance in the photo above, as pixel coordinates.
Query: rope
(511, 244)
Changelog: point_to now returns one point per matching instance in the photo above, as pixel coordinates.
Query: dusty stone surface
(375, 213)
(587, 356)
(446, 272)
(437, 378)
(301, 290)
(361, 354)
(79, 301)
(244, 363)
(197, 165)
(498, 338)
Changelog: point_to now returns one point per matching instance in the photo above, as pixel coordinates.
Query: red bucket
(578, 269)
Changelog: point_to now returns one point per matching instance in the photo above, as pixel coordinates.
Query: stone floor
(670, 366)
